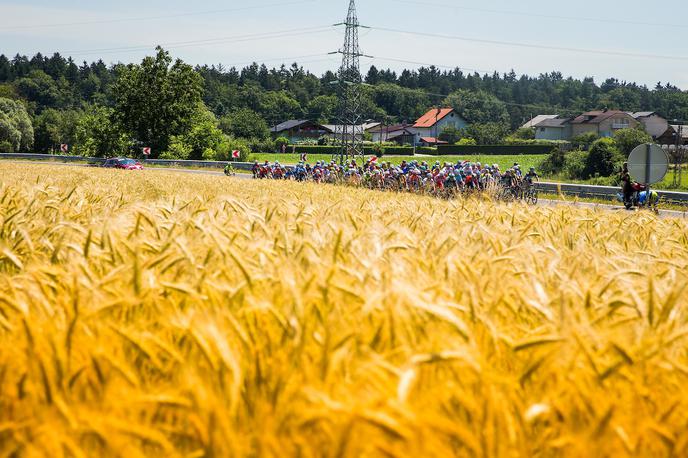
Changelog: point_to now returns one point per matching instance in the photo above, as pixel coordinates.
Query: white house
(553, 129)
(431, 124)
(537, 120)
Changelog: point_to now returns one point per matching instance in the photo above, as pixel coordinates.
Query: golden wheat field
(161, 314)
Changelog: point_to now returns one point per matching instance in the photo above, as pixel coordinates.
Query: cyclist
(532, 177)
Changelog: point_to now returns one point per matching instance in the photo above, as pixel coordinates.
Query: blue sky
(235, 33)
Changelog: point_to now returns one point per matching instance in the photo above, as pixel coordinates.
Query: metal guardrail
(603, 192)
(567, 189)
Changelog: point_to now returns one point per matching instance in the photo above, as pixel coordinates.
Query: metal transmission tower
(349, 90)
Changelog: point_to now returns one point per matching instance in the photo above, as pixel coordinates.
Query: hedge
(315, 149)
(492, 150)
(442, 150)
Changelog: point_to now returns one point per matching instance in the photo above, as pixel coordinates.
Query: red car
(123, 163)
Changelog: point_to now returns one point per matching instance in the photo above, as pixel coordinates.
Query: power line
(544, 16)
(449, 67)
(325, 57)
(532, 45)
(152, 18)
(208, 41)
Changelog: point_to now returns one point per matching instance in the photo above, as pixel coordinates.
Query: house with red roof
(603, 122)
(429, 127)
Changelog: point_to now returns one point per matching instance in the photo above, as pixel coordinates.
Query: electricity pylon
(349, 90)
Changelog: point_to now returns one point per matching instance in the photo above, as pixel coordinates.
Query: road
(544, 202)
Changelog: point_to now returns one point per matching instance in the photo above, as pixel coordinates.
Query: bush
(523, 133)
(6, 147)
(262, 146)
(554, 163)
(178, 149)
(574, 164)
(628, 139)
(466, 142)
(604, 158)
(378, 150)
(234, 144)
(583, 141)
(279, 142)
(450, 134)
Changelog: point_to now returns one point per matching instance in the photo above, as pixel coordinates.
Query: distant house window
(542, 129)
(621, 123)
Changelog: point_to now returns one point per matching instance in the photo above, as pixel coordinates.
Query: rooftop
(598, 116)
(553, 122)
(537, 120)
(432, 117)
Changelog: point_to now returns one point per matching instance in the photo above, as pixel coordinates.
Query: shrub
(554, 163)
(450, 134)
(604, 158)
(467, 142)
(178, 149)
(6, 147)
(628, 139)
(574, 164)
(583, 141)
(280, 142)
(262, 146)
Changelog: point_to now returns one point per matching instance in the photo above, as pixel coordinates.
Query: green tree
(490, 133)
(245, 123)
(16, 130)
(157, 99)
(628, 139)
(203, 141)
(53, 127)
(603, 159)
(99, 135)
(41, 90)
(524, 133)
(584, 141)
(450, 134)
(478, 107)
(323, 108)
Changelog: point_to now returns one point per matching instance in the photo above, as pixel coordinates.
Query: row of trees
(205, 111)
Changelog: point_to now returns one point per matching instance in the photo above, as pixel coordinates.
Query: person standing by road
(626, 184)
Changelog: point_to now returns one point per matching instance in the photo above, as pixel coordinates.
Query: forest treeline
(195, 111)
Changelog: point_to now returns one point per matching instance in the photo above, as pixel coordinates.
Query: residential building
(603, 123)
(668, 138)
(402, 134)
(537, 120)
(361, 129)
(432, 123)
(553, 129)
(652, 122)
(299, 130)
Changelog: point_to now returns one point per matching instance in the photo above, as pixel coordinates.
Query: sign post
(146, 151)
(64, 148)
(648, 164)
(236, 154)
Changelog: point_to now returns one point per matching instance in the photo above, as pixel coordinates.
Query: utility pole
(349, 90)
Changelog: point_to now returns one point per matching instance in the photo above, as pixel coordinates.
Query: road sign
(648, 164)
(236, 154)
(146, 151)
(64, 148)
(304, 157)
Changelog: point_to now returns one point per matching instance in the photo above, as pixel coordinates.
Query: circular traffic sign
(648, 164)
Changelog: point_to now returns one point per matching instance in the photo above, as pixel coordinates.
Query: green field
(505, 161)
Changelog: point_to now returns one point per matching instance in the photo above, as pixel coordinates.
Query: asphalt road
(545, 202)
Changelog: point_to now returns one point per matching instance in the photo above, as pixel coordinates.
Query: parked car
(123, 163)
